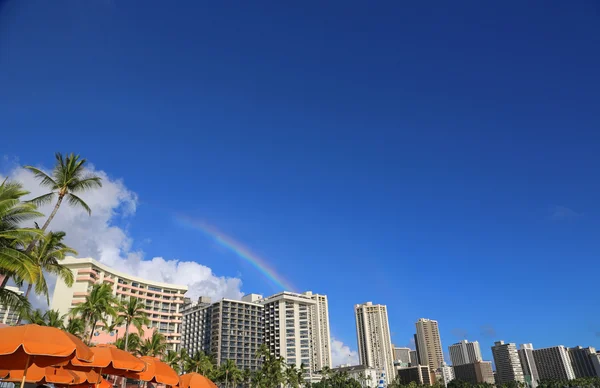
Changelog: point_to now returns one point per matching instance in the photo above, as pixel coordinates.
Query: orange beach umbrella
(35, 374)
(39, 346)
(195, 380)
(156, 371)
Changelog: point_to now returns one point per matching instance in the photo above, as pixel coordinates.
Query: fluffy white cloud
(100, 237)
(342, 354)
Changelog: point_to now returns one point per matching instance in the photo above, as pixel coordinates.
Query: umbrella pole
(99, 378)
(25, 371)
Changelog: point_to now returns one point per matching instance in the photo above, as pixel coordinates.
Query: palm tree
(53, 318)
(132, 314)
(199, 363)
(68, 177)
(231, 372)
(258, 379)
(154, 346)
(36, 317)
(133, 346)
(13, 212)
(45, 257)
(291, 376)
(246, 376)
(172, 359)
(183, 358)
(75, 326)
(96, 307)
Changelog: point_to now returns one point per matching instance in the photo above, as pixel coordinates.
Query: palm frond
(89, 182)
(76, 201)
(14, 300)
(42, 199)
(46, 180)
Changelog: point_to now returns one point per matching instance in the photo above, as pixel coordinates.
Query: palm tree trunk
(126, 347)
(4, 279)
(35, 239)
(92, 332)
(28, 291)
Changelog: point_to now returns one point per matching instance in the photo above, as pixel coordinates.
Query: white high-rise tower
(373, 335)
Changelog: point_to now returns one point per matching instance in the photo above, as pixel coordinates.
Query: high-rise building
(465, 352)
(445, 374)
(8, 315)
(420, 374)
(553, 363)
(402, 355)
(528, 364)
(414, 358)
(374, 340)
(596, 362)
(429, 343)
(475, 373)
(581, 361)
(196, 325)
(162, 301)
(508, 365)
(237, 331)
(320, 336)
(288, 327)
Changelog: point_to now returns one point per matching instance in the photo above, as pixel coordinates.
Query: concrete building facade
(237, 331)
(429, 344)
(445, 374)
(420, 374)
(530, 372)
(8, 315)
(508, 365)
(581, 361)
(373, 337)
(596, 363)
(402, 355)
(320, 335)
(196, 325)
(553, 363)
(414, 358)
(465, 352)
(475, 373)
(163, 301)
(288, 327)
(366, 376)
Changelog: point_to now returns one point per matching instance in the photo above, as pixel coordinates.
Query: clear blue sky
(439, 158)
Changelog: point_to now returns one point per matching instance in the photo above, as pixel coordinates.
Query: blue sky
(438, 158)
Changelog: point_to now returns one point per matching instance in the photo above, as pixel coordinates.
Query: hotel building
(8, 315)
(373, 337)
(465, 352)
(429, 344)
(162, 301)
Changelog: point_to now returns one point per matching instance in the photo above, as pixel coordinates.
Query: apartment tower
(528, 364)
(196, 325)
(508, 365)
(553, 363)
(429, 344)
(162, 301)
(373, 336)
(465, 352)
(320, 336)
(581, 361)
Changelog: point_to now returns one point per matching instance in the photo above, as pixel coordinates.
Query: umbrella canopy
(31, 348)
(156, 371)
(195, 380)
(111, 360)
(103, 384)
(35, 374)
(47, 344)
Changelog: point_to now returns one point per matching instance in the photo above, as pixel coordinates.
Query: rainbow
(240, 250)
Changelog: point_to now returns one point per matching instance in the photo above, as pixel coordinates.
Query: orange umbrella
(36, 374)
(195, 380)
(103, 384)
(111, 360)
(38, 346)
(156, 371)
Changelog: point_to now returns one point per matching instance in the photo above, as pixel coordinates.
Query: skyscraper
(414, 358)
(475, 373)
(528, 364)
(508, 365)
(320, 336)
(581, 361)
(429, 344)
(373, 335)
(196, 325)
(553, 363)
(465, 352)
(402, 355)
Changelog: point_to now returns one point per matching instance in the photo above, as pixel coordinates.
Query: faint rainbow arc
(240, 250)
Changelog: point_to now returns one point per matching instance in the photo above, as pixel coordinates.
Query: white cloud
(99, 236)
(342, 354)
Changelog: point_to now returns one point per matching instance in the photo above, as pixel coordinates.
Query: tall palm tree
(46, 256)
(53, 318)
(183, 358)
(154, 346)
(68, 177)
(132, 314)
(291, 376)
(75, 326)
(133, 346)
(231, 372)
(36, 317)
(172, 359)
(99, 304)
(14, 212)
(199, 363)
